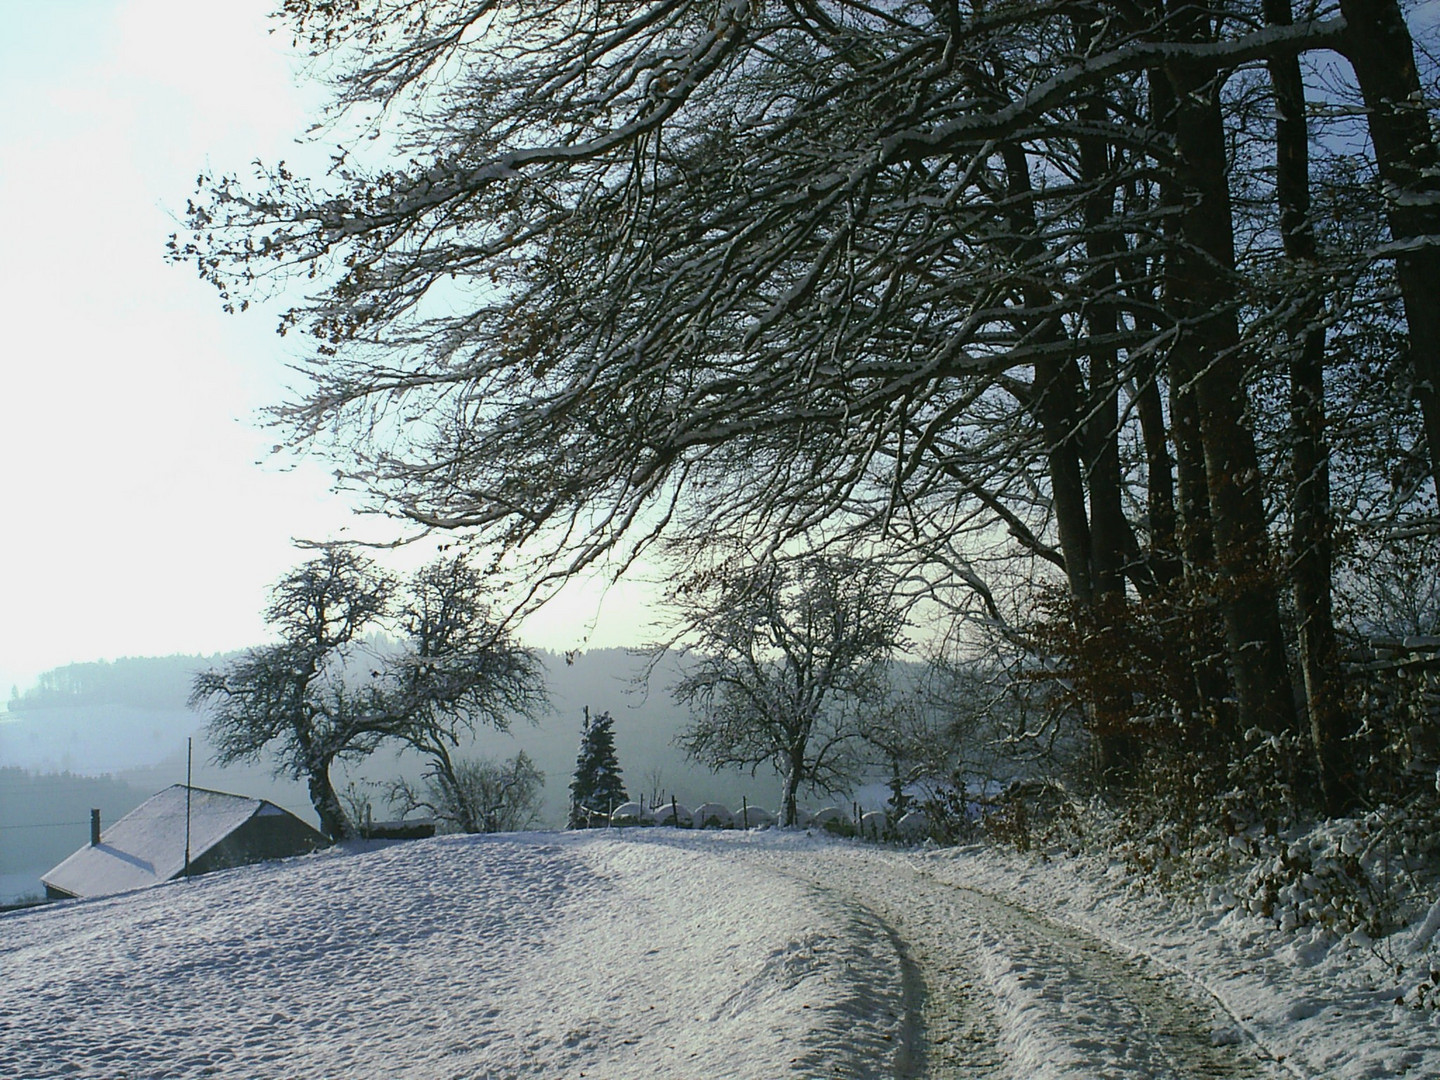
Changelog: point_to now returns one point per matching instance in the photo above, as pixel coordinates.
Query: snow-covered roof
(147, 845)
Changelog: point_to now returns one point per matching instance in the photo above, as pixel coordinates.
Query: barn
(147, 846)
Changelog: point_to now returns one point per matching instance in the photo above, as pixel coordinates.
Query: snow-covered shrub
(1027, 811)
(1398, 714)
(1361, 877)
(477, 795)
(1425, 994)
(1177, 824)
(1315, 879)
(953, 816)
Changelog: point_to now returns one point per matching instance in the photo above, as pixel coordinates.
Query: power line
(47, 825)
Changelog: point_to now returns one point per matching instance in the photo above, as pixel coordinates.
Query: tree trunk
(1198, 680)
(333, 822)
(1197, 548)
(1109, 531)
(790, 786)
(1310, 538)
(1056, 407)
(1056, 397)
(1204, 302)
(1311, 568)
(1382, 54)
(1081, 439)
(1164, 557)
(1108, 528)
(468, 817)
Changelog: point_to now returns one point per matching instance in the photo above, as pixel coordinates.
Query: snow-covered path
(1002, 992)
(664, 954)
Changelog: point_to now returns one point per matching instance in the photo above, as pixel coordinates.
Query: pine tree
(597, 784)
(901, 801)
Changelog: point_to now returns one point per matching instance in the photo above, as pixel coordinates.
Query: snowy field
(658, 953)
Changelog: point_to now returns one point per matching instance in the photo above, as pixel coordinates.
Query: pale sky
(142, 511)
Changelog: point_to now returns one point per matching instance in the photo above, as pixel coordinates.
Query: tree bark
(1108, 531)
(1056, 408)
(1118, 748)
(1164, 555)
(1196, 546)
(1206, 694)
(1055, 403)
(333, 822)
(1382, 54)
(790, 787)
(1311, 531)
(1204, 303)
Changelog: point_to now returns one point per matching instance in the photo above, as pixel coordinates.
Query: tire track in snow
(1201, 991)
(948, 1031)
(1007, 993)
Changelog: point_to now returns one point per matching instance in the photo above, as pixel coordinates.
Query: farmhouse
(147, 846)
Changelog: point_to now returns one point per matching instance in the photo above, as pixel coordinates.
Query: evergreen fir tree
(597, 785)
(901, 802)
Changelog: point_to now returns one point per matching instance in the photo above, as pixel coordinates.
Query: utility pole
(189, 756)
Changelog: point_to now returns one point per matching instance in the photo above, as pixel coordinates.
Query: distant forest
(145, 682)
(43, 818)
(127, 718)
(139, 703)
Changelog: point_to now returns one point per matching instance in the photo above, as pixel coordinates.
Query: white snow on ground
(664, 953)
(1319, 1006)
(556, 955)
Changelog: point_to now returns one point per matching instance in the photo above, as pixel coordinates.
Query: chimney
(94, 828)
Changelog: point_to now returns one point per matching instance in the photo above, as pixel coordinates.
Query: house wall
(265, 836)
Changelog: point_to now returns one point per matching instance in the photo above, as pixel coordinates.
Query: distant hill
(142, 682)
(128, 717)
(45, 818)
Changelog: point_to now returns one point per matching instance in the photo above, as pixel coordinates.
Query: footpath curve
(993, 990)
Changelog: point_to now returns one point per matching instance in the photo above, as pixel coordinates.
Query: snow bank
(542, 954)
(1314, 1005)
(623, 954)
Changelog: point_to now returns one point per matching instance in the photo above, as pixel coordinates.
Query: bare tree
(459, 670)
(477, 796)
(926, 275)
(310, 701)
(292, 697)
(787, 662)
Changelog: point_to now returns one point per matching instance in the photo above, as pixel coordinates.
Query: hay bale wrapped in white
(676, 814)
(753, 817)
(631, 813)
(914, 826)
(874, 824)
(713, 815)
(830, 816)
(803, 818)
